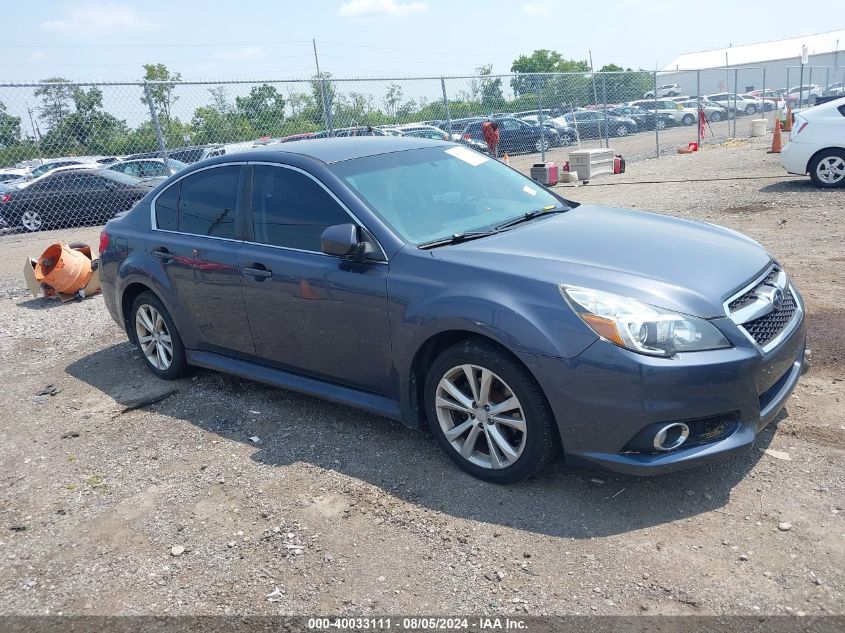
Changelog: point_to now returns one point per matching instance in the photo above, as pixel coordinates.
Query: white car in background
(742, 103)
(806, 94)
(680, 114)
(817, 144)
(666, 90)
(713, 111)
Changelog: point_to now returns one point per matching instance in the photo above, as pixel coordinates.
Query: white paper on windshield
(467, 155)
(529, 190)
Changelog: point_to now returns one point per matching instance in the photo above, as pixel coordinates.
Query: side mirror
(342, 240)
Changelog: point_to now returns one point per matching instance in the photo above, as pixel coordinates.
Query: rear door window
(208, 202)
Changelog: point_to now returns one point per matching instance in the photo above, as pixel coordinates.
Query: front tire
(715, 116)
(542, 144)
(489, 414)
(827, 169)
(660, 124)
(688, 119)
(155, 334)
(622, 130)
(750, 109)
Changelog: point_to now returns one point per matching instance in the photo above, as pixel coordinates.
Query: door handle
(258, 271)
(161, 253)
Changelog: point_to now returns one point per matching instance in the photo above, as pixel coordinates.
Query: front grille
(748, 297)
(767, 327)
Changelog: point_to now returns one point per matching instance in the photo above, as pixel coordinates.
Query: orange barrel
(63, 269)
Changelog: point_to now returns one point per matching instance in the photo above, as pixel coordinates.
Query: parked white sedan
(817, 144)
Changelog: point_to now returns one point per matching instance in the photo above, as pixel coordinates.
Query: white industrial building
(748, 66)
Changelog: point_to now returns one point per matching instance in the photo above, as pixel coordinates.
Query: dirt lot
(112, 506)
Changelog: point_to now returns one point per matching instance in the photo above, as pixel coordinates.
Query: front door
(311, 313)
(196, 242)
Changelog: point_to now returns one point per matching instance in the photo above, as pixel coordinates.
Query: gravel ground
(111, 503)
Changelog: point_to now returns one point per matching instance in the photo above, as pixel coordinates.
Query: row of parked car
(806, 93)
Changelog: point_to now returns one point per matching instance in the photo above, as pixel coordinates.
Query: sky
(260, 39)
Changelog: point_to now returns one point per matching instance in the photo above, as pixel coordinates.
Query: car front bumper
(606, 396)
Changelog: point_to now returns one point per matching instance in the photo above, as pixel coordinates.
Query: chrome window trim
(358, 222)
(749, 313)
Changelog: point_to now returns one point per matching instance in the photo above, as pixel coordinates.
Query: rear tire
(688, 119)
(715, 116)
(622, 130)
(499, 428)
(660, 124)
(156, 336)
(827, 169)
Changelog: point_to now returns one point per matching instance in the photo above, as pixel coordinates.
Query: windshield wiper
(530, 215)
(456, 238)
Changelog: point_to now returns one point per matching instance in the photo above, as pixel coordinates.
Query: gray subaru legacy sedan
(425, 282)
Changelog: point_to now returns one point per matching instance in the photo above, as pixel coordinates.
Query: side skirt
(369, 402)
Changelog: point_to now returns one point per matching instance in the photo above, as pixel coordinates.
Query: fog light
(671, 436)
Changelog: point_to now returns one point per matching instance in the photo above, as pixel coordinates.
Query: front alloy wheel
(488, 413)
(622, 130)
(541, 145)
(481, 417)
(661, 124)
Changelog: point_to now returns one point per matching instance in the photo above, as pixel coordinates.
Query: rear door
(193, 249)
(309, 312)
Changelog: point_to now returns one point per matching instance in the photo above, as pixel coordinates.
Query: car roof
(335, 150)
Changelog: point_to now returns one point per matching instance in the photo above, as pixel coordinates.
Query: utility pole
(326, 112)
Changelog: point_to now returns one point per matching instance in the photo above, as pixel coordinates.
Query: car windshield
(175, 165)
(428, 194)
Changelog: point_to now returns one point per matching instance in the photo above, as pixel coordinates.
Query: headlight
(640, 327)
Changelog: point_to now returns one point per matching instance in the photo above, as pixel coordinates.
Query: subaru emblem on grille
(777, 299)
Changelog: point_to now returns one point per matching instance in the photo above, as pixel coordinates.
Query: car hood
(681, 265)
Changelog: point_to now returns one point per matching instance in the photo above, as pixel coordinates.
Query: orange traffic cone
(777, 144)
(787, 127)
(506, 159)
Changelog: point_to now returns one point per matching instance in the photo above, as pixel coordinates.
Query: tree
(486, 89)
(10, 128)
(263, 107)
(392, 99)
(87, 103)
(624, 84)
(220, 99)
(161, 94)
(55, 95)
(321, 87)
(542, 61)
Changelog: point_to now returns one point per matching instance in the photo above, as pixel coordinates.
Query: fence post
(154, 116)
(763, 105)
(656, 119)
(699, 137)
(327, 106)
(446, 106)
(540, 119)
(736, 87)
(801, 87)
(604, 99)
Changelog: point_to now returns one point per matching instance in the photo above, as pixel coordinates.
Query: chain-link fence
(77, 153)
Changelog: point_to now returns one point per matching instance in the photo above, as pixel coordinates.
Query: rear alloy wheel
(827, 169)
(750, 109)
(661, 124)
(489, 414)
(715, 116)
(622, 130)
(541, 145)
(688, 119)
(156, 336)
(31, 221)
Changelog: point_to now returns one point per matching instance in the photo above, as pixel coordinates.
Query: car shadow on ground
(795, 185)
(560, 502)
